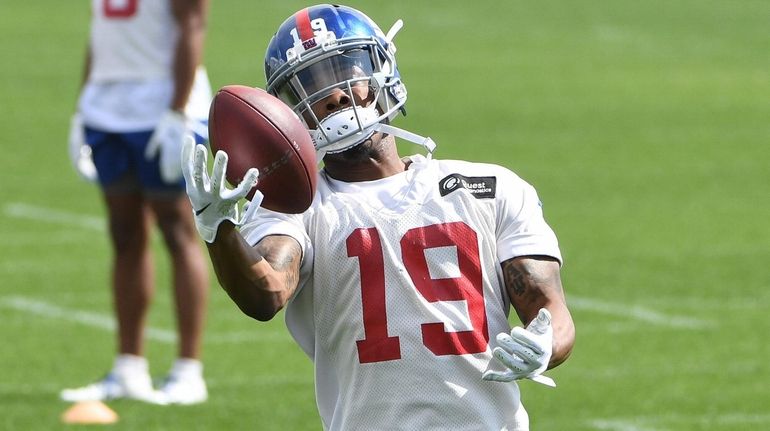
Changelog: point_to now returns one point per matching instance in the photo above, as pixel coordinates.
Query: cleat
(114, 386)
(183, 390)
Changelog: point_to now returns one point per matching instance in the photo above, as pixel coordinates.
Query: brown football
(257, 130)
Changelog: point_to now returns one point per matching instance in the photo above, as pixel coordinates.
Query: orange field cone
(89, 412)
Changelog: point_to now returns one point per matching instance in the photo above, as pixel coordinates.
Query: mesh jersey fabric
(401, 293)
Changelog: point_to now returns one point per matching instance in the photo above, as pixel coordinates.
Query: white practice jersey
(130, 83)
(132, 39)
(402, 294)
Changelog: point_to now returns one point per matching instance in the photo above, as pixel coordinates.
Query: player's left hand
(525, 352)
(167, 139)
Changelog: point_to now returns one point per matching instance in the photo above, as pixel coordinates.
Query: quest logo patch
(479, 187)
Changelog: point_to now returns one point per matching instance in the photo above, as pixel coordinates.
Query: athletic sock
(130, 365)
(184, 367)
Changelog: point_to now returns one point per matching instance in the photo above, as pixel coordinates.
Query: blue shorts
(119, 160)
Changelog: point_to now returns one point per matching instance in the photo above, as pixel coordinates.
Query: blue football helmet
(326, 48)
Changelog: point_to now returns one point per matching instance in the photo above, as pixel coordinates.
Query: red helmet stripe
(303, 24)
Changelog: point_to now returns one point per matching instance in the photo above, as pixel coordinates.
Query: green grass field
(645, 127)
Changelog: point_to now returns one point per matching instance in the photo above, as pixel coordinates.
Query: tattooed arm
(259, 279)
(533, 282)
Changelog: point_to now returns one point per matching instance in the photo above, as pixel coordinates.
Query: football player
(398, 280)
(144, 91)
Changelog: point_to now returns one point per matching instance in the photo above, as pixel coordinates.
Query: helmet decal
(306, 32)
(304, 25)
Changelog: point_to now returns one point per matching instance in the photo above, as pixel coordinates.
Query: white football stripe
(50, 215)
(94, 320)
(637, 312)
(678, 421)
(107, 322)
(618, 425)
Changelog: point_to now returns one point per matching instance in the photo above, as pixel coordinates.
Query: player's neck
(369, 162)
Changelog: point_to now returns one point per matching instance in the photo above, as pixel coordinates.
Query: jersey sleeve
(521, 226)
(265, 222)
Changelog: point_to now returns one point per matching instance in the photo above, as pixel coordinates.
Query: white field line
(107, 323)
(618, 425)
(671, 422)
(50, 215)
(94, 320)
(739, 419)
(636, 312)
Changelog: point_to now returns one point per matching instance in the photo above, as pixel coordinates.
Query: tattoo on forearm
(524, 276)
(283, 259)
(533, 282)
(514, 277)
(280, 257)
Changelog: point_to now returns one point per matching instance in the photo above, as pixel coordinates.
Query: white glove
(211, 200)
(167, 139)
(80, 153)
(525, 352)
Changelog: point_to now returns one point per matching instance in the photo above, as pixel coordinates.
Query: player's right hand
(80, 152)
(211, 200)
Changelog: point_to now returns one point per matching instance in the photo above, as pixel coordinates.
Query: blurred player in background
(145, 90)
(398, 280)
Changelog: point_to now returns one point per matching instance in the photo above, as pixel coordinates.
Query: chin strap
(409, 136)
(423, 141)
(351, 119)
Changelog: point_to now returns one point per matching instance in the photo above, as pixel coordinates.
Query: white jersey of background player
(398, 279)
(130, 88)
(391, 251)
